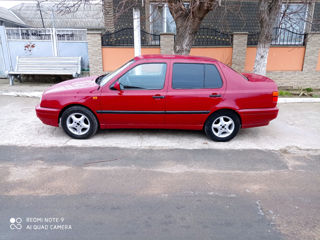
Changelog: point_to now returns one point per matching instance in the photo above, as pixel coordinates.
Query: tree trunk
(260, 64)
(269, 12)
(188, 20)
(108, 15)
(186, 32)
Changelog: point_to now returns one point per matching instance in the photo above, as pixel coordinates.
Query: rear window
(195, 76)
(237, 72)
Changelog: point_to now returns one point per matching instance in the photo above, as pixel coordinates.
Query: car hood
(77, 85)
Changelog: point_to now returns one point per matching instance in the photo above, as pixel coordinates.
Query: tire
(79, 122)
(222, 126)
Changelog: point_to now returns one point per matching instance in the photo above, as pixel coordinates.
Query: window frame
(164, 20)
(280, 31)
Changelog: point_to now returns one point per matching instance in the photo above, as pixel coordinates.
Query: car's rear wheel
(79, 122)
(222, 126)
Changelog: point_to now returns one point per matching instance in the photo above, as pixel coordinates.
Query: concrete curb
(21, 94)
(298, 100)
(38, 94)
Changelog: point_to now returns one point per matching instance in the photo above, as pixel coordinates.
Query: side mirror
(117, 86)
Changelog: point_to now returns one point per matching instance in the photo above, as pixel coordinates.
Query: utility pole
(54, 36)
(38, 3)
(136, 31)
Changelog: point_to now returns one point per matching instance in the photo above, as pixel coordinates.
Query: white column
(137, 32)
(54, 42)
(54, 35)
(164, 18)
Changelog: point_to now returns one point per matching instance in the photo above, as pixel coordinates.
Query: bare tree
(189, 14)
(268, 14)
(271, 15)
(188, 18)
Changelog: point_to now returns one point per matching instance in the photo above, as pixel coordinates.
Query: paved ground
(33, 89)
(159, 184)
(116, 193)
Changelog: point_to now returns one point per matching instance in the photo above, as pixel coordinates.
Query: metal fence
(45, 34)
(29, 34)
(124, 37)
(204, 37)
(71, 34)
(212, 37)
(281, 37)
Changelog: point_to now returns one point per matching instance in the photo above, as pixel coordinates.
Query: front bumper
(257, 117)
(49, 116)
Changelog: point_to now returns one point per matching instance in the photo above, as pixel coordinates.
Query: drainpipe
(136, 32)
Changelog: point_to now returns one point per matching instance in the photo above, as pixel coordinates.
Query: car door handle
(157, 96)
(215, 95)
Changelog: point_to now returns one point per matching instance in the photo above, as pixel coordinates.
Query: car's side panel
(191, 107)
(257, 117)
(244, 94)
(253, 101)
(132, 108)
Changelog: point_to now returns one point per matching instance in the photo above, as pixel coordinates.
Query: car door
(194, 90)
(141, 101)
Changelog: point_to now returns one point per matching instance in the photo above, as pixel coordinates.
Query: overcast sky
(11, 3)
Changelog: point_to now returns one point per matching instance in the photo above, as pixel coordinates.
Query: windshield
(108, 77)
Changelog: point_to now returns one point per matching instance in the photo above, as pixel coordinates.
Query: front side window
(144, 76)
(195, 76)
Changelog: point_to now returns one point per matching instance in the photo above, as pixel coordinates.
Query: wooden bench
(46, 66)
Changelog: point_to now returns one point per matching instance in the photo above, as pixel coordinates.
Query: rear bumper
(49, 116)
(257, 117)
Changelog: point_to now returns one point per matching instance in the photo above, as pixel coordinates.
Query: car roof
(163, 56)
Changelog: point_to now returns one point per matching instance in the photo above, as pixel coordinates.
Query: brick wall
(312, 52)
(308, 77)
(94, 52)
(239, 51)
(166, 43)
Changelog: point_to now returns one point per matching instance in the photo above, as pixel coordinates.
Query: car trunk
(269, 89)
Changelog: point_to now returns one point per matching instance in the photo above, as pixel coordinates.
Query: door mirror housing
(117, 86)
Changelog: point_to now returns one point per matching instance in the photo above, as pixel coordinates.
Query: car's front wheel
(79, 122)
(222, 126)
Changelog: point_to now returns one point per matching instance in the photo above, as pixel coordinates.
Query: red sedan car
(162, 91)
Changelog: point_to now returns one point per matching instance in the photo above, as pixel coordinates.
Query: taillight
(275, 97)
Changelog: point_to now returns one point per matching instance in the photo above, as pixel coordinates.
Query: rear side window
(212, 78)
(195, 76)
